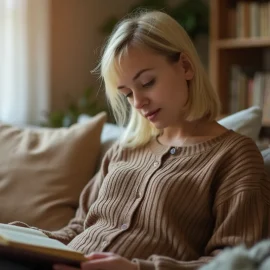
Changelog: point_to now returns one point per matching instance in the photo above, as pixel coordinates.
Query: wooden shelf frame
(239, 43)
(225, 51)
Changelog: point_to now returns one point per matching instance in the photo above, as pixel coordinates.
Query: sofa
(43, 170)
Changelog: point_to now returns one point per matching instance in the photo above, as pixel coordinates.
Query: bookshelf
(240, 46)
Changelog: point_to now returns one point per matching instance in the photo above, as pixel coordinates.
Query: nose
(139, 100)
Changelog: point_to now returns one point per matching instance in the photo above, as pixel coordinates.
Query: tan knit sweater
(174, 208)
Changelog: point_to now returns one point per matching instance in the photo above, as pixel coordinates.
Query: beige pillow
(43, 171)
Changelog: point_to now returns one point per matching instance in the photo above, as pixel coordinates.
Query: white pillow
(109, 131)
(246, 122)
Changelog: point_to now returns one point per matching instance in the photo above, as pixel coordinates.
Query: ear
(187, 66)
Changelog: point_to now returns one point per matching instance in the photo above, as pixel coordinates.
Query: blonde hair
(159, 32)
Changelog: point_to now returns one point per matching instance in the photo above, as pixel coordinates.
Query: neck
(183, 134)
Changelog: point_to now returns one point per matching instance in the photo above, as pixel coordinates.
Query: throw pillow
(109, 131)
(246, 122)
(43, 171)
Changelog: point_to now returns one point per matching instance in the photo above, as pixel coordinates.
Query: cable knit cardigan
(173, 207)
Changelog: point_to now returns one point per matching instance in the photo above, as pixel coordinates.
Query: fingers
(99, 255)
(100, 258)
(102, 263)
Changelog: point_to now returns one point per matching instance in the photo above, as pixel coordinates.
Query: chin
(159, 125)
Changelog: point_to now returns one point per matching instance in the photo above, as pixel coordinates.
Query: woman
(178, 187)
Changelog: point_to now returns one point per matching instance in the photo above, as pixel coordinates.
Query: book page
(29, 239)
(13, 228)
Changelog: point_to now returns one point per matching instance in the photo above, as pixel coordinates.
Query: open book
(30, 245)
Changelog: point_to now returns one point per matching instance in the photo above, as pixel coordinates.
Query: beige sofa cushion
(43, 171)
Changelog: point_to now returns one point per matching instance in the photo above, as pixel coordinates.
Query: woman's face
(157, 88)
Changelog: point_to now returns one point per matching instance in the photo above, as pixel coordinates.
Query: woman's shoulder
(235, 142)
(241, 167)
(237, 150)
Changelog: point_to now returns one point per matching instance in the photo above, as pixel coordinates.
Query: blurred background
(49, 47)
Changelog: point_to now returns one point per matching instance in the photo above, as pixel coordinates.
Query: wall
(76, 42)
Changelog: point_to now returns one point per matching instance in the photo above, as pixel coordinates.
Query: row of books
(249, 19)
(248, 90)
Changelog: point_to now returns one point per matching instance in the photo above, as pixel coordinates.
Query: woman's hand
(102, 261)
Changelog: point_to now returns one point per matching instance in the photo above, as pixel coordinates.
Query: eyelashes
(146, 85)
(149, 84)
(128, 95)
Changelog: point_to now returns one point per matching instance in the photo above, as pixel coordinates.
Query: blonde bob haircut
(160, 33)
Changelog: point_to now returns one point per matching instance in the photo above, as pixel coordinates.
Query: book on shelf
(254, 22)
(248, 89)
(30, 245)
(249, 19)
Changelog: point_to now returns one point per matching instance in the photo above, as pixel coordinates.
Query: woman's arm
(245, 218)
(241, 208)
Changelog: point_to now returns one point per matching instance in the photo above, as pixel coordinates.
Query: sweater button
(124, 227)
(156, 164)
(173, 150)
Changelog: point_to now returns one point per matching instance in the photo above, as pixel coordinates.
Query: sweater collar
(158, 149)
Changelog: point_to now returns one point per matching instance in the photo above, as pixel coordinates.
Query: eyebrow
(138, 74)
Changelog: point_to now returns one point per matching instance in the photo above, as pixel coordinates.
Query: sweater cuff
(144, 265)
(19, 224)
(24, 225)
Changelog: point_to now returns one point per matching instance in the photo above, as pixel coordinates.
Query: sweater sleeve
(87, 197)
(241, 209)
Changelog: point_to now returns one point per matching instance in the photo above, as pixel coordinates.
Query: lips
(151, 116)
(151, 113)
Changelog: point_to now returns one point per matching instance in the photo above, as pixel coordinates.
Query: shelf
(239, 43)
(250, 53)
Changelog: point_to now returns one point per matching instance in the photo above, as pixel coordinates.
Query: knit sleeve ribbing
(244, 218)
(242, 200)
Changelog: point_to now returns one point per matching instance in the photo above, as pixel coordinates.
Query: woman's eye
(149, 83)
(128, 95)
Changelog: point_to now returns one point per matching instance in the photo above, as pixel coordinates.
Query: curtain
(24, 61)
